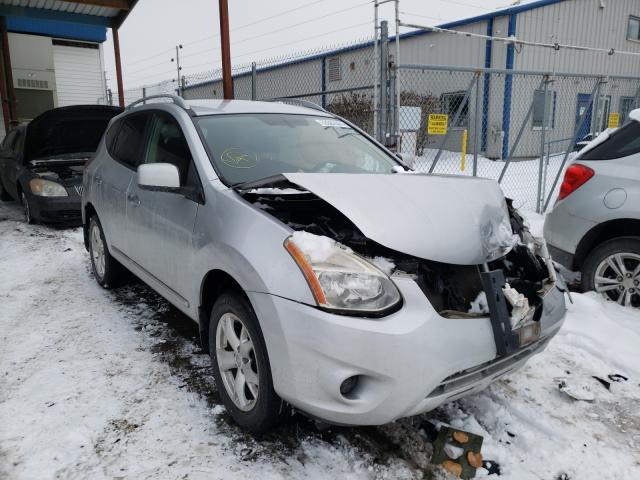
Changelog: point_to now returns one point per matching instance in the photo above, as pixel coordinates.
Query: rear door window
(623, 142)
(130, 139)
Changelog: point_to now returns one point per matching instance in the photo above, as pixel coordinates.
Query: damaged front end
(509, 288)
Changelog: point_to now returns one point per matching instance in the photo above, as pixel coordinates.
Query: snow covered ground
(97, 384)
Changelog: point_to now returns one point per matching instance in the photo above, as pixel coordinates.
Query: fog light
(348, 386)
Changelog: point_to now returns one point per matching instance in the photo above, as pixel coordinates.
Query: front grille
(79, 189)
(501, 365)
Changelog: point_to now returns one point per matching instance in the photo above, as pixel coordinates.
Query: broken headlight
(46, 188)
(339, 279)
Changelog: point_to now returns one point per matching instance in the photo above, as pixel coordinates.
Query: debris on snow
(616, 377)
(576, 391)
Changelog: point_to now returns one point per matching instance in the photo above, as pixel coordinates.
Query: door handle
(98, 179)
(134, 200)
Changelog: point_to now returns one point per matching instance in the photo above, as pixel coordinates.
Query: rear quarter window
(623, 142)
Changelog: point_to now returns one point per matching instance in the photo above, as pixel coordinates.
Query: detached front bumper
(408, 362)
(56, 210)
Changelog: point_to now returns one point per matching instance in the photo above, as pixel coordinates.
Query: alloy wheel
(237, 362)
(617, 278)
(97, 250)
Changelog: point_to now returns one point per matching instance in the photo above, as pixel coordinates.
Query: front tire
(241, 365)
(106, 269)
(26, 209)
(613, 270)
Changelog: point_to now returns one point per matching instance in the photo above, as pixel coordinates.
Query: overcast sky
(260, 29)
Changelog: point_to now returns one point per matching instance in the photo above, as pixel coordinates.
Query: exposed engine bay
(65, 174)
(455, 291)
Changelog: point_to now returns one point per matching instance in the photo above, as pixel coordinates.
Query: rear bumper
(56, 210)
(409, 362)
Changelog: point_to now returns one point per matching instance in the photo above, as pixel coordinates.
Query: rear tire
(613, 270)
(241, 365)
(106, 269)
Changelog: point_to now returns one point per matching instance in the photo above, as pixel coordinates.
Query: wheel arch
(214, 283)
(603, 232)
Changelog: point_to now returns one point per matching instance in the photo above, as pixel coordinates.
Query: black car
(41, 162)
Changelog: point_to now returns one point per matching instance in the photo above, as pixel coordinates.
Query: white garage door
(78, 68)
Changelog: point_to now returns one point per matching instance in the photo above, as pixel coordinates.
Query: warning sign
(614, 120)
(438, 124)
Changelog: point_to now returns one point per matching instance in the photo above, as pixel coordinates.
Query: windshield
(249, 147)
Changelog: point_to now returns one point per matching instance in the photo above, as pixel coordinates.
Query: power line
(209, 37)
(516, 41)
(288, 27)
(288, 43)
(465, 4)
(422, 16)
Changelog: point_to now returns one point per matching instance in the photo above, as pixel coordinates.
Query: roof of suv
(220, 107)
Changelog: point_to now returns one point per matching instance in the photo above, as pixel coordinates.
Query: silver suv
(594, 227)
(323, 275)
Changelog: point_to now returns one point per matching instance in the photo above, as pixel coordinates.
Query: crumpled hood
(456, 220)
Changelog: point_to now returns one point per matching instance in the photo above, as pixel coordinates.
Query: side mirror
(159, 177)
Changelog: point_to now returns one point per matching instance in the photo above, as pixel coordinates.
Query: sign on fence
(614, 120)
(438, 124)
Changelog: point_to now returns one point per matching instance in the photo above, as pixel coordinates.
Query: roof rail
(174, 98)
(298, 102)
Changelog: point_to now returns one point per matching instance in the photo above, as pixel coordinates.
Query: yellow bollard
(464, 150)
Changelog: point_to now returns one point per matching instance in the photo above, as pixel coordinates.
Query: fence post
(254, 78)
(595, 108)
(384, 82)
(393, 109)
(520, 133)
(477, 128)
(543, 132)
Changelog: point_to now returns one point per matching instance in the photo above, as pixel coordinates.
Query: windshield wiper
(273, 181)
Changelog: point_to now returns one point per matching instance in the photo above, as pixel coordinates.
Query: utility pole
(178, 67)
(227, 81)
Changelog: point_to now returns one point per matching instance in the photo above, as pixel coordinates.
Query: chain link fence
(519, 128)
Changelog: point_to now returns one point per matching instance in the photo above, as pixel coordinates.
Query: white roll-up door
(78, 70)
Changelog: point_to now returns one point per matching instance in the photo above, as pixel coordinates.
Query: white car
(323, 275)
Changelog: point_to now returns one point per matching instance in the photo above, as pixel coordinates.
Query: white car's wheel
(241, 365)
(613, 270)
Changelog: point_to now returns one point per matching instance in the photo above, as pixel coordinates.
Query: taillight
(575, 176)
